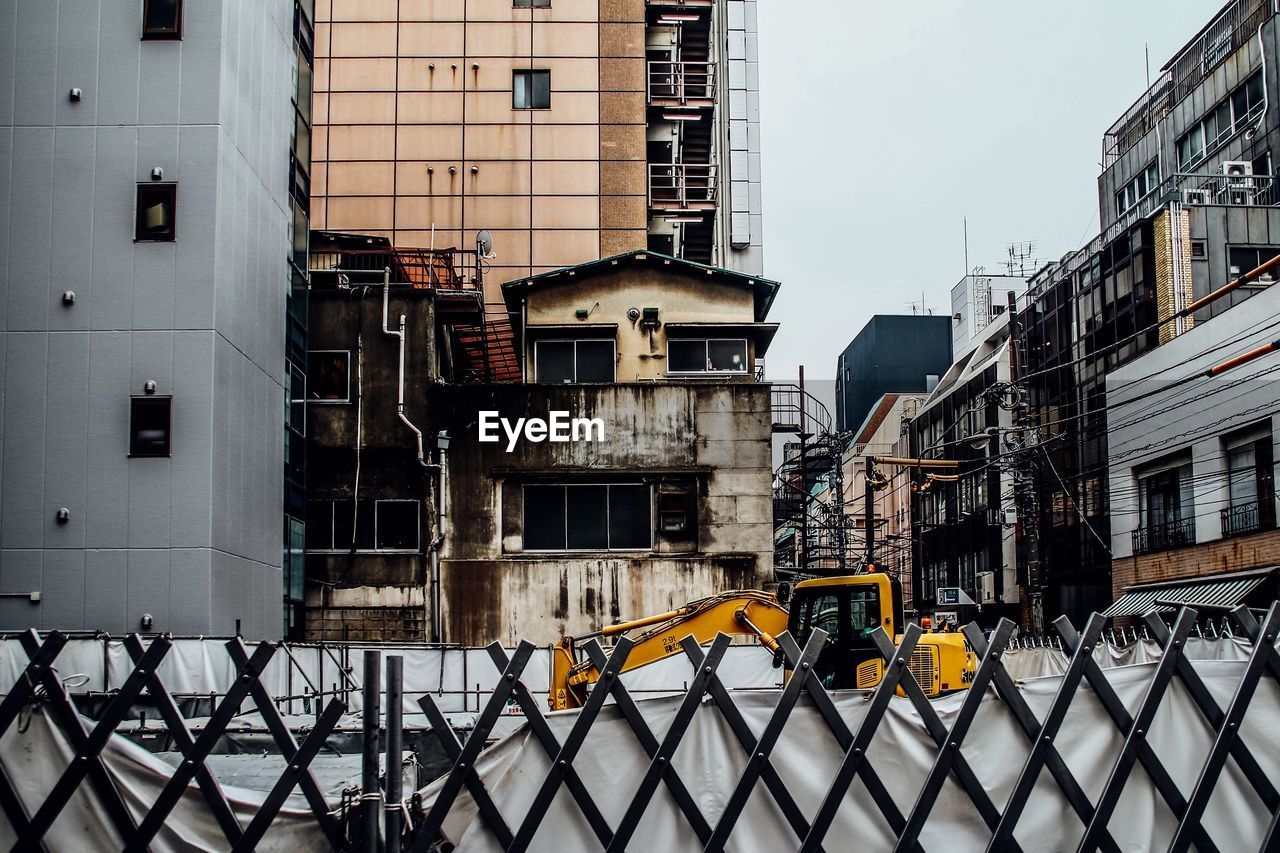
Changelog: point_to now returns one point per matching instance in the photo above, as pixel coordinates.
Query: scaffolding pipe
(370, 793)
(395, 735)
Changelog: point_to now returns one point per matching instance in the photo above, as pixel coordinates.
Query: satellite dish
(484, 243)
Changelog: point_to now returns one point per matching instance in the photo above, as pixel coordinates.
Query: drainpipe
(437, 621)
(386, 294)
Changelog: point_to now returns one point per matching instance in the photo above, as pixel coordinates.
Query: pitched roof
(763, 289)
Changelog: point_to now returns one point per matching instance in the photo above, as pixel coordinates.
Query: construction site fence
(302, 677)
(1181, 726)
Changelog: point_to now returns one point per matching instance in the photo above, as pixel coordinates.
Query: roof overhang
(763, 290)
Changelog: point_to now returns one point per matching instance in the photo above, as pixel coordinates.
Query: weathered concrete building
(669, 504)
(664, 499)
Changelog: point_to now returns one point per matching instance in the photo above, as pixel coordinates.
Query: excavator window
(849, 615)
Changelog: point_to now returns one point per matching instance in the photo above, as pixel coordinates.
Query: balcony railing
(1229, 31)
(677, 186)
(1243, 519)
(682, 83)
(1163, 537)
(437, 269)
(1200, 190)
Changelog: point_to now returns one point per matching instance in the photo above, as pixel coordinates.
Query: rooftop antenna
(966, 245)
(1020, 258)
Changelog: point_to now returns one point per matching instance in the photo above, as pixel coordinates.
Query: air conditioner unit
(1195, 197)
(1009, 517)
(986, 583)
(1239, 173)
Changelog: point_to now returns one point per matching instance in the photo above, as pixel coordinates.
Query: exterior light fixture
(442, 439)
(146, 622)
(68, 297)
(677, 19)
(63, 515)
(75, 94)
(475, 170)
(681, 117)
(149, 387)
(157, 174)
(678, 220)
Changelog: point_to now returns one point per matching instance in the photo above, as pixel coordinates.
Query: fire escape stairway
(488, 347)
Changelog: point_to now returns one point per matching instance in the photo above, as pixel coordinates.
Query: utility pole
(1026, 495)
(869, 513)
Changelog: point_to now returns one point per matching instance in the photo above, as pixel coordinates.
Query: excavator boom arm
(743, 612)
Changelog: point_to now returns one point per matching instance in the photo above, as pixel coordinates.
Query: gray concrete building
(1191, 466)
(145, 237)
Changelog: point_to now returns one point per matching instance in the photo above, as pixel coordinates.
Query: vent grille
(924, 666)
(868, 674)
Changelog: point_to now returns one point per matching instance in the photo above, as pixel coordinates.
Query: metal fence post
(370, 797)
(395, 732)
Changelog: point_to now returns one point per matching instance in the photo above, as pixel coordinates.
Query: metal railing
(1199, 190)
(1223, 37)
(681, 186)
(1246, 518)
(1164, 537)
(441, 269)
(682, 83)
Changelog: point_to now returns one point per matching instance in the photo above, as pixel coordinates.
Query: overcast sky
(885, 124)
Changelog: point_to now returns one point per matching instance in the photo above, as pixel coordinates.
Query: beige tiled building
(569, 129)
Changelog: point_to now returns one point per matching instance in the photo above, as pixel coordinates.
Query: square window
(729, 356)
(396, 526)
(595, 361)
(588, 516)
(553, 362)
(329, 376)
(531, 90)
(149, 426)
(161, 19)
(155, 215)
(686, 356)
(630, 525)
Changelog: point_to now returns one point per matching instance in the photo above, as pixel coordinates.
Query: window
(161, 19)
(395, 525)
(1128, 196)
(155, 213)
(531, 4)
(531, 90)
(294, 575)
(364, 525)
(1166, 508)
(567, 362)
(1250, 482)
(149, 426)
(698, 355)
(587, 517)
(1222, 122)
(673, 512)
(1244, 259)
(329, 376)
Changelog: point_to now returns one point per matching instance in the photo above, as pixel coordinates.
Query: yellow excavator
(848, 608)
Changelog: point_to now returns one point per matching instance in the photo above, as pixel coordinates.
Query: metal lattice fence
(905, 818)
(40, 685)
(615, 814)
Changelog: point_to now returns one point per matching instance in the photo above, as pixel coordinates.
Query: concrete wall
(712, 434)
(642, 353)
(193, 540)
(1149, 422)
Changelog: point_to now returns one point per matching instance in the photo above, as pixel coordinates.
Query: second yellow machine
(848, 608)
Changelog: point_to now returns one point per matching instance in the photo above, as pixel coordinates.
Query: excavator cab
(849, 609)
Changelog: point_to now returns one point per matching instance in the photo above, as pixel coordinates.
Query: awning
(1223, 591)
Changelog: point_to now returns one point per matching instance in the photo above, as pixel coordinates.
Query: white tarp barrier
(460, 680)
(710, 761)
(34, 753)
